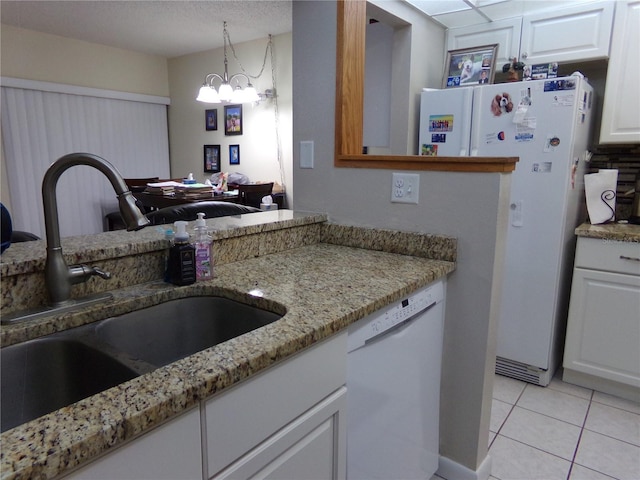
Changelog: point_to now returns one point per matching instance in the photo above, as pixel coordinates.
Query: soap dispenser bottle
(204, 258)
(181, 265)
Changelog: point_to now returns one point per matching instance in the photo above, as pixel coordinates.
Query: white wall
(51, 58)
(258, 152)
(471, 207)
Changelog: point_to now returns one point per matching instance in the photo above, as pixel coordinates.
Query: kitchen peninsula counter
(323, 278)
(622, 232)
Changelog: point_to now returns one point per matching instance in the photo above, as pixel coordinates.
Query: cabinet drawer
(608, 255)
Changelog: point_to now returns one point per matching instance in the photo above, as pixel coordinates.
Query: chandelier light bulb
(250, 94)
(225, 92)
(208, 95)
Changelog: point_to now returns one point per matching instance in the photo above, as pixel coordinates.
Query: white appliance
(546, 123)
(393, 389)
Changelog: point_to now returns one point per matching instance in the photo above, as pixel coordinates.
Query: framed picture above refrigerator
(470, 66)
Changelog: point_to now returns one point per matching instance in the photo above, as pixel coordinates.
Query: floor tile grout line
(575, 450)
(537, 448)
(612, 437)
(549, 416)
(617, 408)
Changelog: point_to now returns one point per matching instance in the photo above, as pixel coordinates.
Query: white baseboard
(450, 470)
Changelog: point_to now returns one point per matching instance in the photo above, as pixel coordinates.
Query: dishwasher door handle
(392, 328)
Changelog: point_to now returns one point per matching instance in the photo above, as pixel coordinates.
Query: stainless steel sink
(176, 329)
(43, 375)
(40, 376)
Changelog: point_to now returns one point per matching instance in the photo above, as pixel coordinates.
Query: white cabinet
(506, 33)
(621, 109)
(173, 450)
(288, 419)
(567, 35)
(602, 349)
(559, 35)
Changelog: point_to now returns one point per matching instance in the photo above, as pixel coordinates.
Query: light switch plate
(405, 188)
(306, 154)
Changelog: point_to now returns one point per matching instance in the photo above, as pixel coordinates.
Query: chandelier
(226, 92)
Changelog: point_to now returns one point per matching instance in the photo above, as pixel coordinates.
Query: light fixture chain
(264, 61)
(276, 112)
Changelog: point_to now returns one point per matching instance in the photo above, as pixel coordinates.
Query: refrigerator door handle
(476, 121)
(466, 122)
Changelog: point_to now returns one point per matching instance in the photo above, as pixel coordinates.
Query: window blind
(40, 126)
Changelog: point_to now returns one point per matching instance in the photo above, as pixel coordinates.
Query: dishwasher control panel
(395, 314)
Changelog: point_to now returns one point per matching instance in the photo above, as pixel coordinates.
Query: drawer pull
(624, 257)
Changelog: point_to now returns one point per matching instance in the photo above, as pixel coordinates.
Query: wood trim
(350, 54)
(350, 58)
(420, 162)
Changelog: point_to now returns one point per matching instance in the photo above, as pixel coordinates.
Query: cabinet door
(312, 446)
(567, 35)
(254, 410)
(173, 450)
(621, 111)
(506, 33)
(603, 330)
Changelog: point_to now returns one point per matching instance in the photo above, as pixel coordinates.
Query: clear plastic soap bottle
(182, 257)
(202, 244)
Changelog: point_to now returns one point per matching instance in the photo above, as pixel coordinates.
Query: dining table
(151, 201)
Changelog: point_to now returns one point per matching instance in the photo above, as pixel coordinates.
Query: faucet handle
(81, 273)
(101, 273)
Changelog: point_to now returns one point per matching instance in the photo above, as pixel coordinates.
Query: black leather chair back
(189, 211)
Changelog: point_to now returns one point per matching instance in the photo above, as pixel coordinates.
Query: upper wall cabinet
(621, 110)
(506, 33)
(560, 35)
(567, 35)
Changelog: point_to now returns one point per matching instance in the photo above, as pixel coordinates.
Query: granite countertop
(323, 287)
(623, 232)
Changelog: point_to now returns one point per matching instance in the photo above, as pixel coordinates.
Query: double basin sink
(42, 375)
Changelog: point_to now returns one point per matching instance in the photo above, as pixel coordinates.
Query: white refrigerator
(546, 123)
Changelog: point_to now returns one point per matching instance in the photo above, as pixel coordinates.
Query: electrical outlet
(405, 188)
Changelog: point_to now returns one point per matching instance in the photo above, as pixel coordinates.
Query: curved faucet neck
(50, 181)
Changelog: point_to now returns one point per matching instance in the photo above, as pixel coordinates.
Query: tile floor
(562, 432)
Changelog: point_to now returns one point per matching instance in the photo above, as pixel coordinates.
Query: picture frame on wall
(234, 154)
(233, 119)
(212, 158)
(211, 119)
(470, 66)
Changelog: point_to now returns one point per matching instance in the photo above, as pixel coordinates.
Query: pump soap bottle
(204, 258)
(181, 265)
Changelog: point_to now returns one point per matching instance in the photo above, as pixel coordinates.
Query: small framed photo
(212, 158)
(234, 154)
(470, 66)
(211, 119)
(233, 119)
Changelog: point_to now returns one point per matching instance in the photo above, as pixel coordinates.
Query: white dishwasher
(393, 389)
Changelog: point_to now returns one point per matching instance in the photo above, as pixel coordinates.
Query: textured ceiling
(169, 28)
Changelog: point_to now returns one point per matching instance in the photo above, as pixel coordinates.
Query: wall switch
(306, 154)
(405, 188)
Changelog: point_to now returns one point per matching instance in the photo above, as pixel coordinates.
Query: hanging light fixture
(226, 93)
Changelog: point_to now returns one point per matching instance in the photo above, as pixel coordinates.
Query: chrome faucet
(58, 276)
